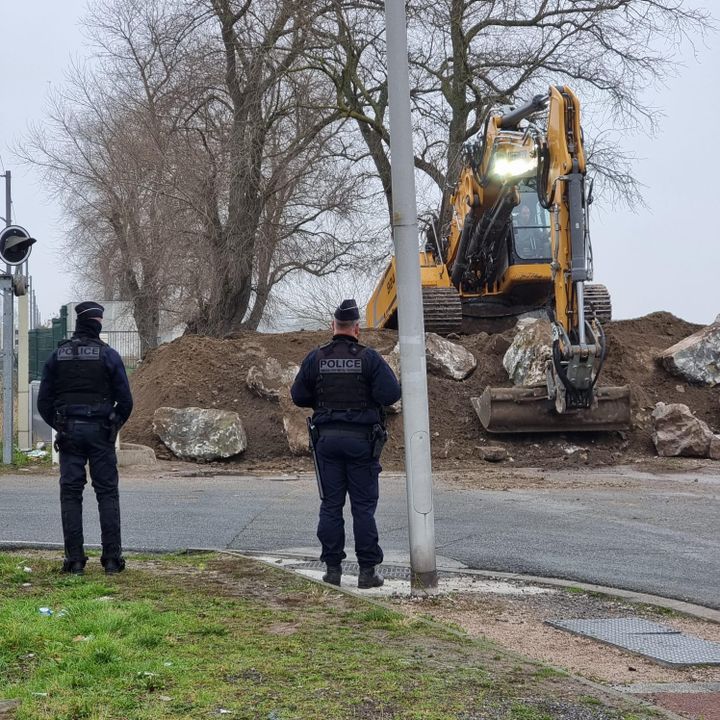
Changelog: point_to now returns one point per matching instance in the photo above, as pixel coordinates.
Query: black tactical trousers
(87, 442)
(347, 468)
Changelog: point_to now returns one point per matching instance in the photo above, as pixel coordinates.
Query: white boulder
(697, 357)
(448, 358)
(676, 431)
(526, 358)
(295, 424)
(200, 433)
(268, 378)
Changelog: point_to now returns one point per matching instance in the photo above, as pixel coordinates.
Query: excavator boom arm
(484, 263)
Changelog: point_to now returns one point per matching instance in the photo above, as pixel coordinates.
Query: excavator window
(531, 230)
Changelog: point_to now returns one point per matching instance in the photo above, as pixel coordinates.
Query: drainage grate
(657, 642)
(396, 572)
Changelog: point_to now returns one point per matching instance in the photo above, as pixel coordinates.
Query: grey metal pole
(8, 352)
(416, 421)
(22, 379)
(8, 340)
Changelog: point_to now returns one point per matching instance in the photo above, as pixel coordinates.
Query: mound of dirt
(211, 373)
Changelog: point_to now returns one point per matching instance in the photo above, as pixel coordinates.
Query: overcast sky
(662, 257)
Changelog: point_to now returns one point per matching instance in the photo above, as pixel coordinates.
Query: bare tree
(106, 151)
(467, 56)
(311, 304)
(304, 188)
(119, 228)
(191, 182)
(274, 135)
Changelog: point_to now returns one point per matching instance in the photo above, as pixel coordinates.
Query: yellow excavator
(518, 242)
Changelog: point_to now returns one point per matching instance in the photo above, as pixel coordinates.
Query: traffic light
(15, 245)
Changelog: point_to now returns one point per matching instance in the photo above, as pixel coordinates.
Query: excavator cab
(530, 230)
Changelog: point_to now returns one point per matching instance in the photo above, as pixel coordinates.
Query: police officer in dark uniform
(85, 396)
(347, 385)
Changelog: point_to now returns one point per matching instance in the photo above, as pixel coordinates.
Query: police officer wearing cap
(347, 385)
(85, 396)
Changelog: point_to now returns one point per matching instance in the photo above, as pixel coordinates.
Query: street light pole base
(424, 583)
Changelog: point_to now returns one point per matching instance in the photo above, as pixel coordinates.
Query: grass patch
(190, 636)
(20, 460)
(525, 712)
(548, 672)
(660, 611)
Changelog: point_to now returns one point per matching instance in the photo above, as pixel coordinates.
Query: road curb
(680, 606)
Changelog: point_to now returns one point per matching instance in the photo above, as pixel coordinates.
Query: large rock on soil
(295, 424)
(697, 357)
(442, 356)
(531, 348)
(676, 431)
(200, 433)
(448, 358)
(268, 378)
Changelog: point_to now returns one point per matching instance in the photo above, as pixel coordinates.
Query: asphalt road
(655, 534)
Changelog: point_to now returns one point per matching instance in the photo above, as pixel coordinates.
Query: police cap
(89, 310)
(347, 311)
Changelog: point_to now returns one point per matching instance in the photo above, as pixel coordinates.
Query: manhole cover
(657, 642)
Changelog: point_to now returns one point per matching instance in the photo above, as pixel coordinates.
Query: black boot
(369, 578)
(74, 566)
(113, 565)
(333, 575)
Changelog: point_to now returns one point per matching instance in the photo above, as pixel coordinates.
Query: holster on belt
(112, 425)
(378, 438)
(62, 438)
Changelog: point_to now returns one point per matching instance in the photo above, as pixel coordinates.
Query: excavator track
(597, 300)
(442, 310)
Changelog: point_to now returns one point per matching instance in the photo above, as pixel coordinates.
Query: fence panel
(127, 343)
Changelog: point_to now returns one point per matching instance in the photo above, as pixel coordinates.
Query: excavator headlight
(509, 167)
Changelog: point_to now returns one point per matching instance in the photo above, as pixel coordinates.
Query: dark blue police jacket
(384, 388)
(119, 385)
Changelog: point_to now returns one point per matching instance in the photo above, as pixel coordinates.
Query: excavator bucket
(528, 410)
